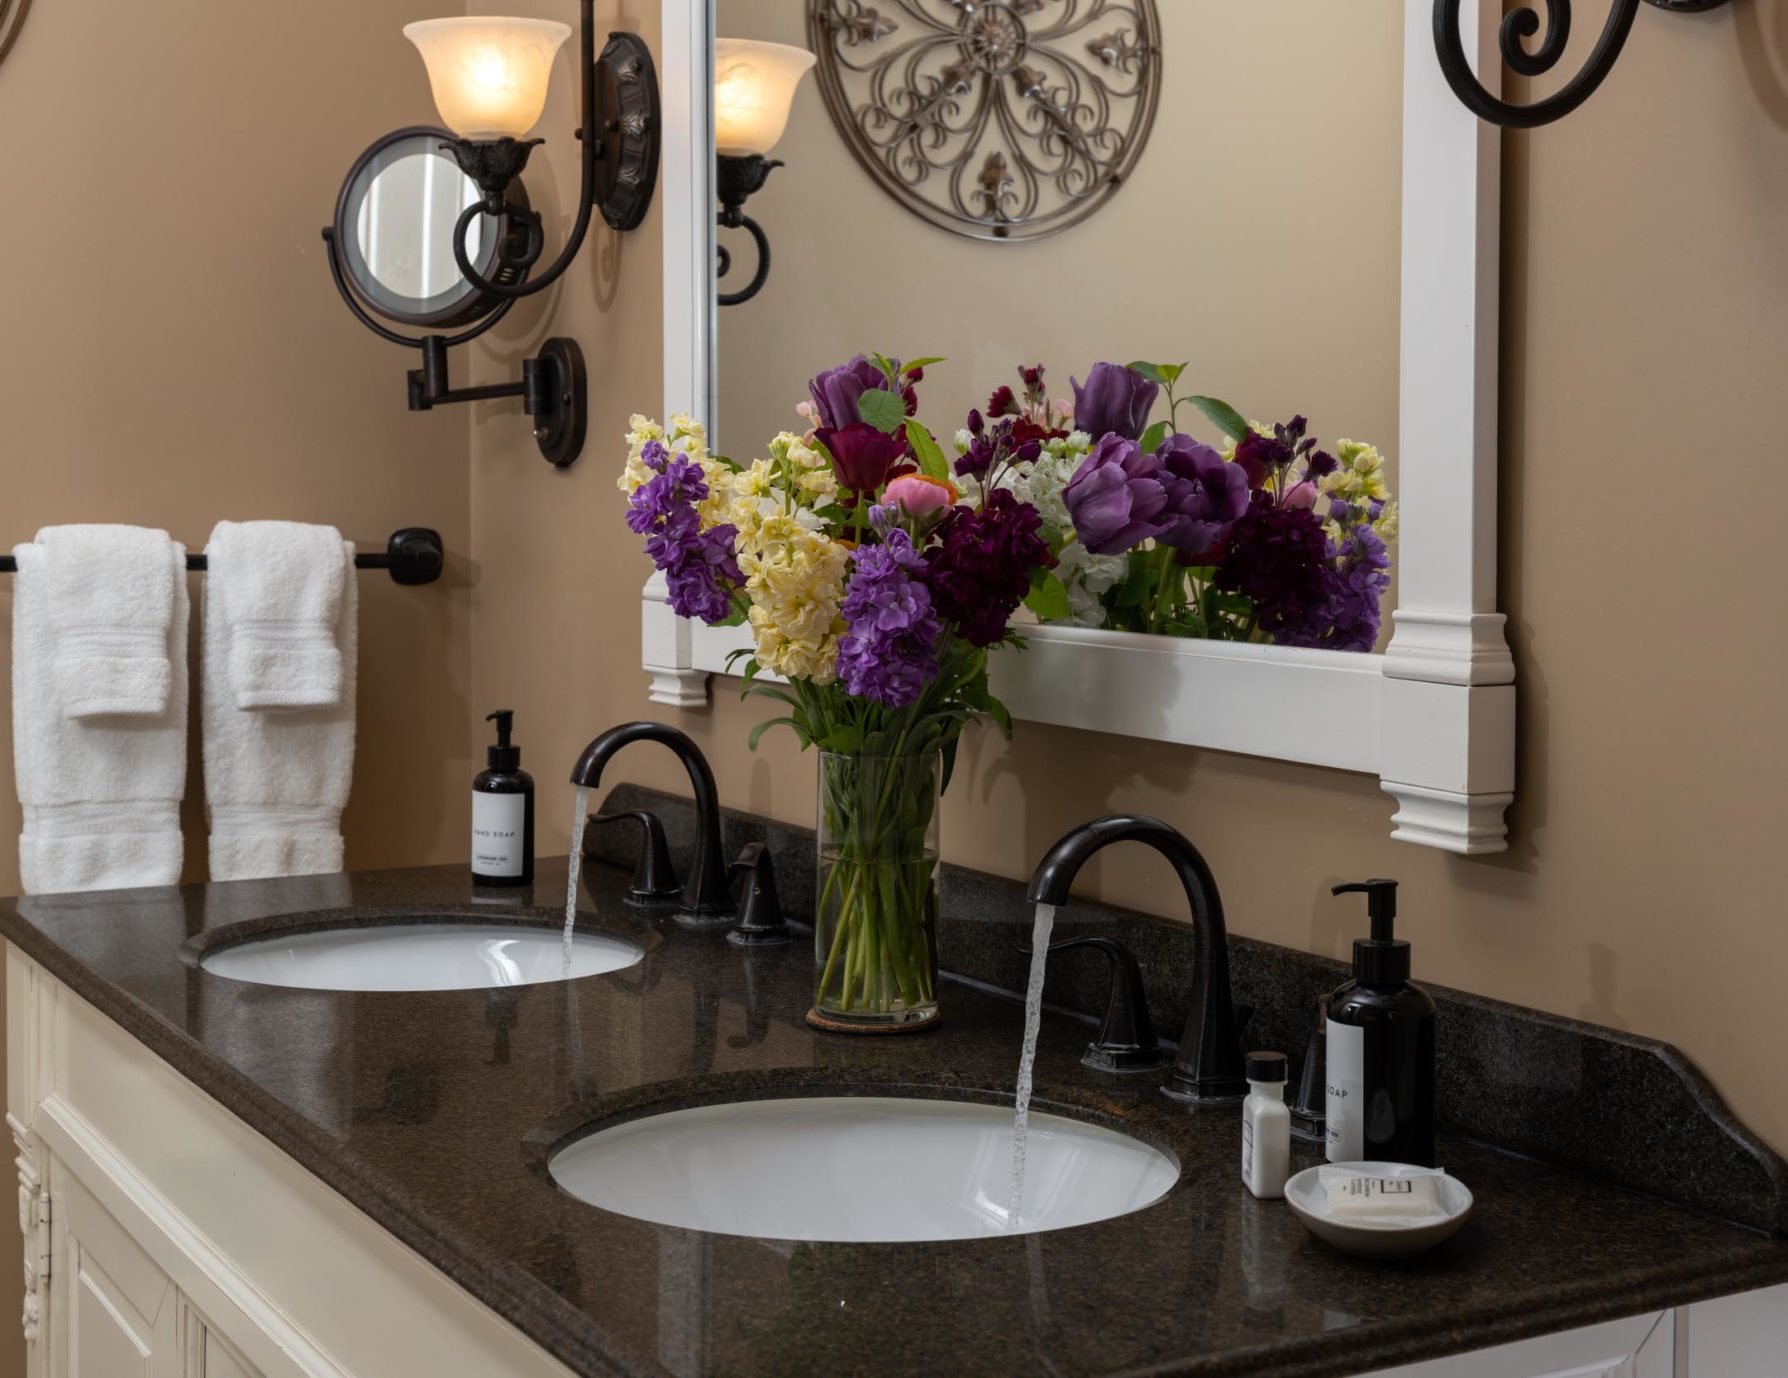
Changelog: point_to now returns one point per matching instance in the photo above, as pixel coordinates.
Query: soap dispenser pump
(1380, 1078)
(503, 812)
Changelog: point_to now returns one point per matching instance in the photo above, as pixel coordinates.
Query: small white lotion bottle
(1266, 1127)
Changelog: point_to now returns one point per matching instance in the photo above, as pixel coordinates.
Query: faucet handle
(654, 877)
(1126, 1041)
(761, 923)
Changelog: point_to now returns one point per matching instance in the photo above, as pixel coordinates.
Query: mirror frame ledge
(1437, 708)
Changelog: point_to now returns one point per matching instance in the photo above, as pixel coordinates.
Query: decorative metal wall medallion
(12, 18)
(995, 119)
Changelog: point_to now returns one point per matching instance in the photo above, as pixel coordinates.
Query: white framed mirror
(1375, 316)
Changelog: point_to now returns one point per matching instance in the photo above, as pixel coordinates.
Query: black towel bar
(412, 555)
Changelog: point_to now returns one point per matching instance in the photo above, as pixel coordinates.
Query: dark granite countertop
(433, 1112)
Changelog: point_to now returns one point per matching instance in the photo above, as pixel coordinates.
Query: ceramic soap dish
(1415, 1208)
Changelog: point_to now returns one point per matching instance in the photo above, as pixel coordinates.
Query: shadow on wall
(1761, 27)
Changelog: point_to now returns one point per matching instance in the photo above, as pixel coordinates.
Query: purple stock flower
(677, 487)
(1114, 401)
(1011, 441)
(1116, 498)
(981, 568)
(889, 650)
(836, 390)
(1205, 496)
(1354, 580)
(700, 568)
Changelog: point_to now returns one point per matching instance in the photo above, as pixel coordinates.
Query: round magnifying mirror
(394, 226)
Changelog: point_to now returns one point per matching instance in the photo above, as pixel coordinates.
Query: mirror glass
(1254, 239)
(406, 224)
(395, 224)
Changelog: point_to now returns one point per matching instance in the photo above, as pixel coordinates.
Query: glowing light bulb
(489, 74)
(754, 86)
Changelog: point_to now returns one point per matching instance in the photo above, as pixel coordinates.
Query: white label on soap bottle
(498, 821)
(1345, 1107)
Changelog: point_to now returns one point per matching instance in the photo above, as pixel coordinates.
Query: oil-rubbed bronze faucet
(1209, 1065)
(707, 901)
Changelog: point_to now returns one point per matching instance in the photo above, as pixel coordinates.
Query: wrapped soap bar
(1348, 1195)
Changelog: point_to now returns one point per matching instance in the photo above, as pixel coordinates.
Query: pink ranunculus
(1301, 495)
(919, 496)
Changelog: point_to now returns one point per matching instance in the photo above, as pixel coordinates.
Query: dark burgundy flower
(864, 458)
(980, 569)
(1205, 496)
(1114, 401)
(1002, 403)
(835, 391)
(1276, 559)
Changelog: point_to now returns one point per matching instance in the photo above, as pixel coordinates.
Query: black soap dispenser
(503, 813)
(1380, 1076)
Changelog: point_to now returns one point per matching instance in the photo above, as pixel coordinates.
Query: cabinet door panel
(1639, 1347)
(117, 1318)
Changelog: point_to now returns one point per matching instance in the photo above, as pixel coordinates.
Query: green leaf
(1223, 416)
(925, 449)
(1171, 372)
(926, 362)
(1048, 597)
(1153, 436)
(882, 409)
(763, 727)
(1149, 371)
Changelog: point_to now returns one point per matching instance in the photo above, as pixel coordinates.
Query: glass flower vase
(875, 925)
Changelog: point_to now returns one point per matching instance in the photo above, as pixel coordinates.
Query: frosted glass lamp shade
(488, 73)
(754, 86)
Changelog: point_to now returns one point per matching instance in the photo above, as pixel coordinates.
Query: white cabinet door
(1639, 1347)
(113, 1312)
(208, 1354)
(1743, 1336)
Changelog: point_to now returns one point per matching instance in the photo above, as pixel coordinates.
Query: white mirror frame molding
(1438, 705)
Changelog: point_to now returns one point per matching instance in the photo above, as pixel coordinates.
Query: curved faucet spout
(1209, 1065)
(707, 901)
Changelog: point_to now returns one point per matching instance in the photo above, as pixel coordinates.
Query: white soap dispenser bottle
(1266, 1127)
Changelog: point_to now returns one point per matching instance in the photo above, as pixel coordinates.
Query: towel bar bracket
(414, 555)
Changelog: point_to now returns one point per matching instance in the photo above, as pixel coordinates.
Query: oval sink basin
(419, 956)
(859, 1169)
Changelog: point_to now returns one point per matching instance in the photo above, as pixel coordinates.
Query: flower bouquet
(1271, 539)
(875, 590)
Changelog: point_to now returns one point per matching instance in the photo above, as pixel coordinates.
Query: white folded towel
(282, 601)
(275, 781)
(110, 603)
(100, 793)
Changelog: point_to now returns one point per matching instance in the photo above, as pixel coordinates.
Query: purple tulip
(864, 458)
(835, 391)
(1116, 497)
(1114, 401)
(1205, 496)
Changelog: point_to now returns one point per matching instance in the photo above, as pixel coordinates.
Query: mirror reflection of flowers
(1273, 539)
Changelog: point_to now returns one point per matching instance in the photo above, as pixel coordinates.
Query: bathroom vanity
(226, 1179)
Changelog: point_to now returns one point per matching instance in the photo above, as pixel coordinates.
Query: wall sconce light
(433, 227)
(754, 86)
(1520, 26)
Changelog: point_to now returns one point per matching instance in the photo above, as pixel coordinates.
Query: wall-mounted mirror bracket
(554, 386)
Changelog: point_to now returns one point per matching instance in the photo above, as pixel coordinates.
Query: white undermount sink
(856, 1169)
(419, 956)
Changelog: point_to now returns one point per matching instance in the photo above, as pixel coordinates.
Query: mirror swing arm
(619, 136)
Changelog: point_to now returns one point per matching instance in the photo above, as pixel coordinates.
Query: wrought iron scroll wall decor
(12, 18)
(994, 119)
(1517, 31)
